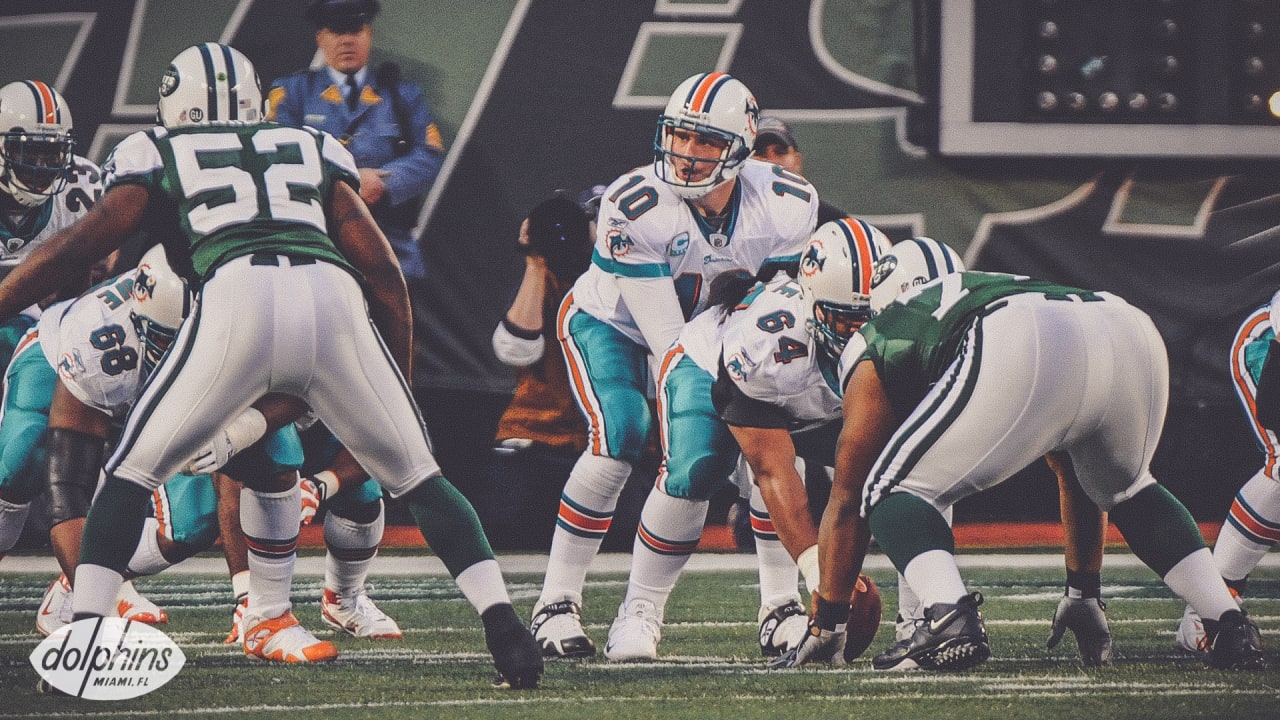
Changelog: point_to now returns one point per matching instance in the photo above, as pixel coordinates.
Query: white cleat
(55, 608)
(283, 639)
(131, 605)
(557, 628)
(357, 616)
(781, 628)
(635, 633)
(237, 616)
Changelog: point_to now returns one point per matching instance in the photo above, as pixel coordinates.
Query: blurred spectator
(776, 143)
(382, 120)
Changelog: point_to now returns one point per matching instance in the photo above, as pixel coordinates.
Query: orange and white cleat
(130, 605)
(283, 639)
(55, 608)
(357, 616)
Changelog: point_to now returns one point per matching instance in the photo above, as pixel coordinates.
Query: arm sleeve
(513, 346)
(653, 304)
(284, 104)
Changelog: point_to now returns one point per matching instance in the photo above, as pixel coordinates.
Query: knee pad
(75, 459)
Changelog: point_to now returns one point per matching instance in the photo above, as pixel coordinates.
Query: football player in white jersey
(771, 381)
(1252, 526)
(44, 187)
(958, 382)
(664, 233)
(280, 269)
(765, 342)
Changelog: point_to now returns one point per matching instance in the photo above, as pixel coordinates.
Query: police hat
(342, 15)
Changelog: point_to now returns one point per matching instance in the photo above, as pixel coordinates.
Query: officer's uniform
(372, 133)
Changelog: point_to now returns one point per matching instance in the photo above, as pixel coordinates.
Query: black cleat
(1234, 642)
(515, 653)
(951, 637)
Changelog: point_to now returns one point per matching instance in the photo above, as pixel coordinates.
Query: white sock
(147, 558)
(586, 510)
(483, 586)
(1256, 509)
(96, 588)
(779, 576)
(935, 578)
(270, 524)
(12, 519)
(352, 546)
(1195, 579)
(669, 531)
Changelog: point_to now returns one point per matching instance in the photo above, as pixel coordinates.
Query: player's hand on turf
(312, 496)
(1086, 618)
(823, 641)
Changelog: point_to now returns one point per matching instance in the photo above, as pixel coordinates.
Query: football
(864, 618)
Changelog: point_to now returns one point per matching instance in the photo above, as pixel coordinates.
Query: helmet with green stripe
(723, 114)
(209, 83)
(909, 264)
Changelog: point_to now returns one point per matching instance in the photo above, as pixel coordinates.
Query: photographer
(541, 433)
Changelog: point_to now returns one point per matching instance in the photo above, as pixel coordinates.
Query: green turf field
(710, 666)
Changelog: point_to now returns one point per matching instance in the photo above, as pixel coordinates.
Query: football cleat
(558, 629)
(1086, 618)
(781, 628)
(55, 608)
(357, 616)
(515, 653)
(1190, 636)
(283, 639)
(131, 605)
(1234, 642)
(952, 636)
(636, 631)
(237, 617)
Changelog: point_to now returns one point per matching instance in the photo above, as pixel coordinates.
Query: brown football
(864, 618)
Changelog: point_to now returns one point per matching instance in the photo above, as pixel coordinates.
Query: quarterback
(664, 233)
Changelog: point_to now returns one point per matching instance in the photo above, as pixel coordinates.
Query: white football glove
(823, 641)
(240, 433)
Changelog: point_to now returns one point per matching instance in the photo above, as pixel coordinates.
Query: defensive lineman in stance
(665, 231)
(279, 240)
(957, 385)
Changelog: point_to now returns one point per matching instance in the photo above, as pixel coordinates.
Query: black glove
(823, 641)
(1086, 618)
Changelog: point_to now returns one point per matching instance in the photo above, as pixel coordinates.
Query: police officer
(382, 120)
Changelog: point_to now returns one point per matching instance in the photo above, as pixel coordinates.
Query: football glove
(823, 641)
(312, 495)
(240, 433)
(1086, 618)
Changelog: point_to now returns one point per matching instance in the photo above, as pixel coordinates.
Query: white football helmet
(161, 301)
(711, 104)
(209, 83)
(35, 126)
(835, 274)
(910, 263)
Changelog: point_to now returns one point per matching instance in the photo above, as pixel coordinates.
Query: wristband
(830, 615)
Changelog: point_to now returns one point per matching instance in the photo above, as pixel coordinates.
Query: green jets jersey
(915, 339)
(239, 189)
